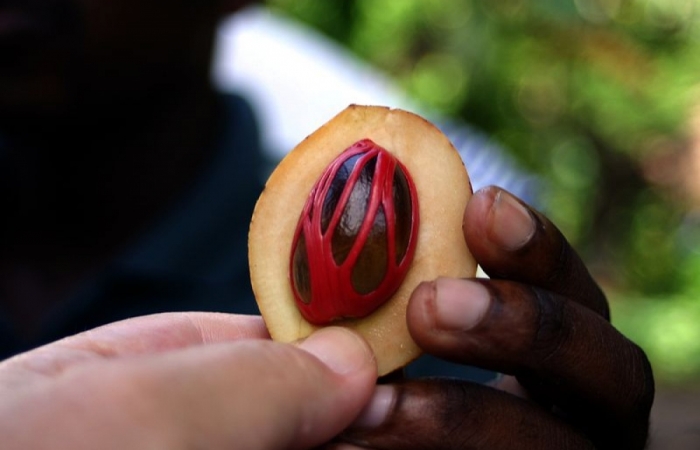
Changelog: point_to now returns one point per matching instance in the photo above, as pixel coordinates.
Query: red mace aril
(356, 236)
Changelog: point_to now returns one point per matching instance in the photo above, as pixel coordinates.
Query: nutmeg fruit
(351, 221)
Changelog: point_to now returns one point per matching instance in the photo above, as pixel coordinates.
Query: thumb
(249, 394)
(277, 396)
(348, 391)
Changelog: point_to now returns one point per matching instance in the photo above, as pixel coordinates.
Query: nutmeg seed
(356, 236)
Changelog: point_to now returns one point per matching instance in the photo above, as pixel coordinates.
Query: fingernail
(377, 410)
(512, 225)
(340, 349)
(459, 304)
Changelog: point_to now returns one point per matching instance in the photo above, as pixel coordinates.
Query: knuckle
(465, 426)
(642, 394)
(450, 411)
(551, 332)
(556, 269)
(567, 274)
(132, 392)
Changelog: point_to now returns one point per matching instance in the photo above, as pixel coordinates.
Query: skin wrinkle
(47, 365)
(469, 424)
(645, 396)
(201, 329)
(500, 313)
(549, 338)
(553, 330)
(208, 334)
(639, 402)
(456, 421)
(568, 266)
(497, 313)
(109, 342)
(455, 426)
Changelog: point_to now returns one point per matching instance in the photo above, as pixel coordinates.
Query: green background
(597, 97)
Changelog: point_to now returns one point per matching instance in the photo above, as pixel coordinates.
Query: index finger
(512, 241)
(140, 335)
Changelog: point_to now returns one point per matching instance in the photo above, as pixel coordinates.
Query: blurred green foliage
(595, 96)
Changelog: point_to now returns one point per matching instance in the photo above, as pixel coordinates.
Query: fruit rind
(443, 189)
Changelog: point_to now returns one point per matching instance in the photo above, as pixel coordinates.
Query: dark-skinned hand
(572, 381)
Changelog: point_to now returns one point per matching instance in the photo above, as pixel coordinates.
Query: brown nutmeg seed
(356, 236)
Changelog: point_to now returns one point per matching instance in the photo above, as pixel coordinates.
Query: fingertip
(450, 304)
(498, 217)
(353, 375)
(475, 223)
(511, 224)
(378, 409)
(419, 309)
(511, 385)
(341, 350)
(478, 207)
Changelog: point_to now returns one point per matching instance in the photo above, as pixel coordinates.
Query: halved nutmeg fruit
(351, 221)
